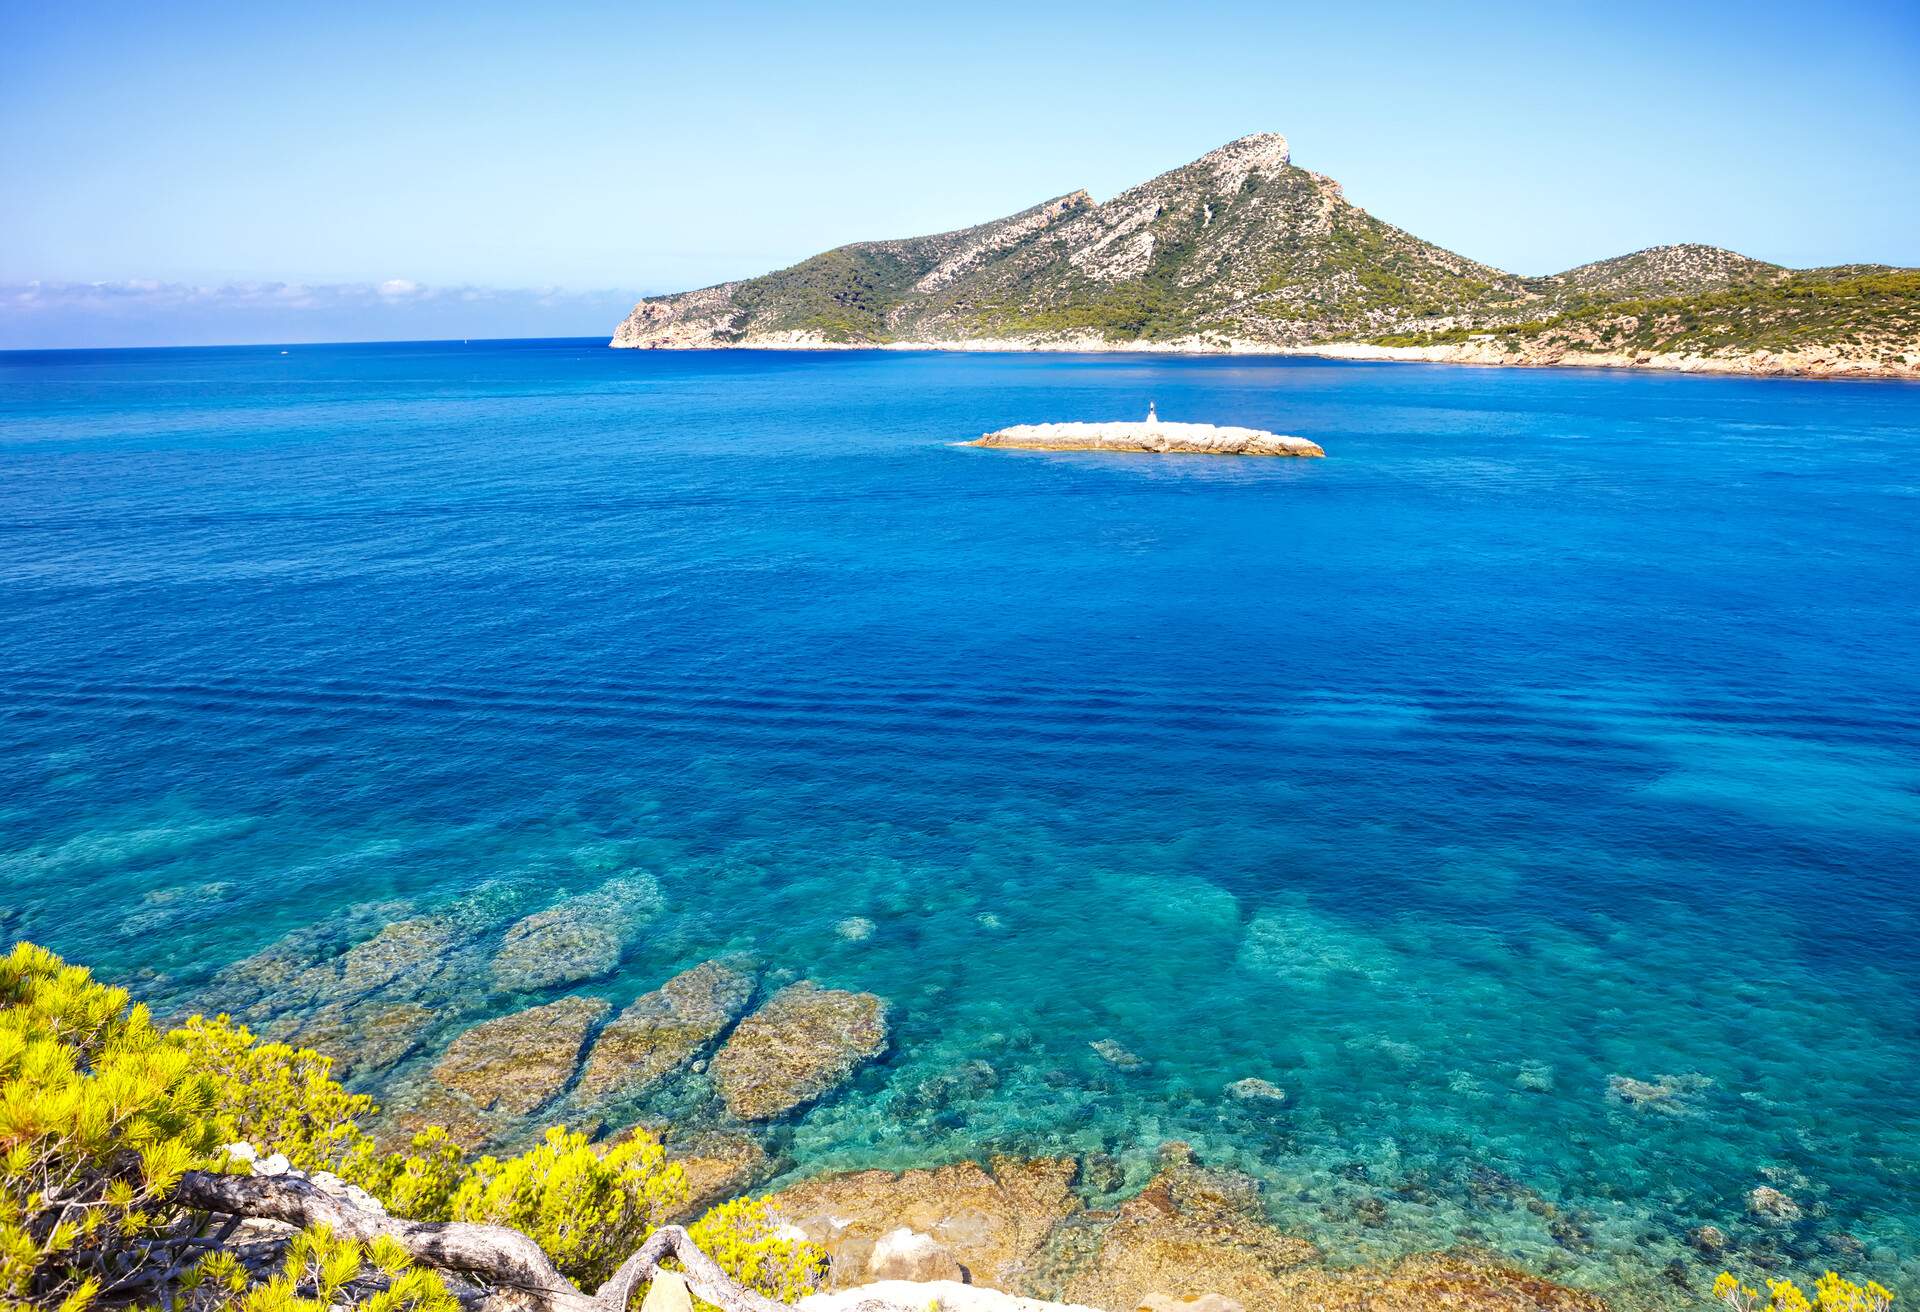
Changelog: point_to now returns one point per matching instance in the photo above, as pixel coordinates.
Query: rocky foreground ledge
(1166, 438)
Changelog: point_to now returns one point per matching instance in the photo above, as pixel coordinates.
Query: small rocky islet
(739, 1053)
(1149, 435)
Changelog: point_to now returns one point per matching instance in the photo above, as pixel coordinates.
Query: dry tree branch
(497, 1256)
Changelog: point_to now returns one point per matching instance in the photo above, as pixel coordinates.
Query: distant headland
(1243, 252)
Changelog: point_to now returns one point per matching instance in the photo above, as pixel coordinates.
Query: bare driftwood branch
(494, 1255)
(704, 1276)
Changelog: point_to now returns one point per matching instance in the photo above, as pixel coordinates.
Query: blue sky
(202, 172)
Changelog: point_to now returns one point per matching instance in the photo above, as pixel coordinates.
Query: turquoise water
(1559, 726)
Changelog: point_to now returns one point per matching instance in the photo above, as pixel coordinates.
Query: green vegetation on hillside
(844, 295)
(1812, 308)
(1360, 253)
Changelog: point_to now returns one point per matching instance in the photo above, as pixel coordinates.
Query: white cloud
(145, 311)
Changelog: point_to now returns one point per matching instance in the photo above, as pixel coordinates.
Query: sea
(1530, 788)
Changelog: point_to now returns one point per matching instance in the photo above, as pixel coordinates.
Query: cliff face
(1239, 250)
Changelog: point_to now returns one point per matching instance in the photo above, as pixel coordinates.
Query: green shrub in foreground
(101, 1114)
(99, 1119)
(587, 1209)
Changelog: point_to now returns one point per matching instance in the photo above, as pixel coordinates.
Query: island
(1243, 252)
(1151, 434)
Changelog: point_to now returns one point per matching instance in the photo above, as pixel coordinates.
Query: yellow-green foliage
(1831, 1293)
(744, 1237)
(587, 1209)
(99, 1118)
(419, 1184)
(274, 1096)
(101, 1114)
(320, 1274)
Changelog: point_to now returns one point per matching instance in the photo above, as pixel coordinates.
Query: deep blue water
(1558, 726)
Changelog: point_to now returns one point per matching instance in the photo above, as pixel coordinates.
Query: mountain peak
(1257, 152)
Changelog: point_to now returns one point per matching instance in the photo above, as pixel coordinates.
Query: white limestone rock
(1150, 435)
(905, 1254)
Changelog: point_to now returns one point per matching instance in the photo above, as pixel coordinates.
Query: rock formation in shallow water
(803, 1042)
(366, 1039)
(519, 1062)
(401, 948)
(663, 1031)
(578, 939)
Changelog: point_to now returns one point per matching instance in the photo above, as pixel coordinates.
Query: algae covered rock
(1257, 1091)
(403, 947)
(1118, 1056)
(802, 1043)
(1669, 1095)
(1772, 1207)
(364, 1040)
(300, 968)
(519, 1062)
(578, 939)
(663, 1031)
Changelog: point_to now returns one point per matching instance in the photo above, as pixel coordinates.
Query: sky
(200, 173)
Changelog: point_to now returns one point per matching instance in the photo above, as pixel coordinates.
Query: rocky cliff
(1241, 250)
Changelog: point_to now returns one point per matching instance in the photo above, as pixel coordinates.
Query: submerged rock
(855, 929)
(1208, 1302)
(1256, 1091)
(1709, 1240)
(1669, 1095)
(487, 906)
(300, 968)
(1769, 1205)
(970, 1080)
(1121, 1059)
(578, 939)
(931, 1295)
(805, 1041)
(404, 947)
(663, 1031)
(364, 1040)
(1534, 1077)
(519, 1062)
(467, 1123)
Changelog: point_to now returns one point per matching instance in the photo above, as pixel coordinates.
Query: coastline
(1820, 363)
